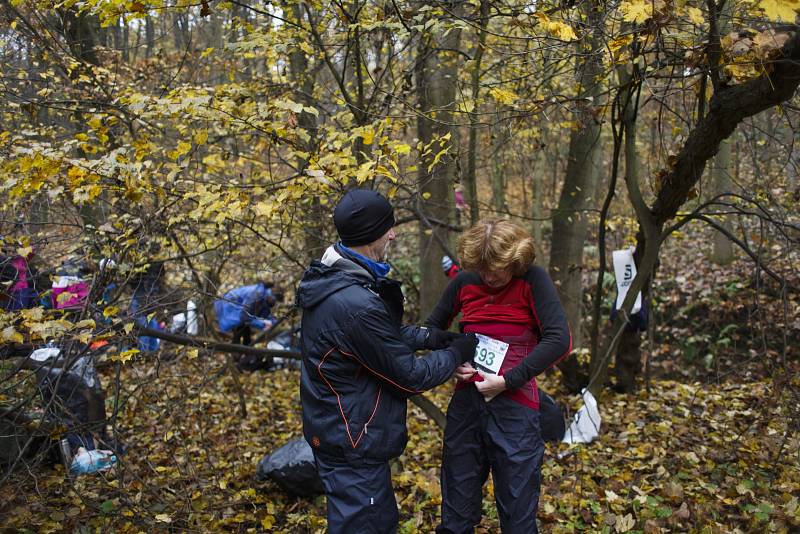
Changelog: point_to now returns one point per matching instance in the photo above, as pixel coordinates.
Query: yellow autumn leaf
(618, 42)
(183, 148)
(503, 96)
(561, 30)
(76, 174)
(32, 314)
(110, 311)
(768, 43)
(163, 518)
(367, 136)
(85, 336)
(11, 335)
(624, 523)
(557, 28)
(307, 48)
(402, 149)
(696, 15)
(466, 106)
(265, 209)
(125, 356)
(637, 11)
(201, 137)
(268, 522)
(65, 297)
(784, 10)
(85, 323)
(192, 353)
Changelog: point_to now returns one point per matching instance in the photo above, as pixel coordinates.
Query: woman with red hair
(493, 419)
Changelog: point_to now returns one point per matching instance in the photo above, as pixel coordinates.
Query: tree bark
(628, 363)
(721, 183)
(498, 174)
(303, 78)
(150, 36)
(578, 192)
(471, 180)
(436, 73)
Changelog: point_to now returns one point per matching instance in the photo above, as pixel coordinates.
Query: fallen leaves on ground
(681, 458)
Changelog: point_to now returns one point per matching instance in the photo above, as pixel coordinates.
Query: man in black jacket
(359, 366)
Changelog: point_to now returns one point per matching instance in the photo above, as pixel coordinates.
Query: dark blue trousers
(360, 499)
(501, 436)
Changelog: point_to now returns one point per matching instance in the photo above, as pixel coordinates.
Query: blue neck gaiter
(379, 269)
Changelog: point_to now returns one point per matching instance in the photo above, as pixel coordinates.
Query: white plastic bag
(178, 323)
(92, 461)
(185, 321)
(45, 353)
(191, 318)
(585, 424)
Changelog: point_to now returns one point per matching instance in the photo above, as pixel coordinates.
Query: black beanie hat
(362, 216)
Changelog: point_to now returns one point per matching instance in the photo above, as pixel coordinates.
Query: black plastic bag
(292, 467)
(551, 418)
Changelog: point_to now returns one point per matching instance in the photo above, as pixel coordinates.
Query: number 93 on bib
(490, 353)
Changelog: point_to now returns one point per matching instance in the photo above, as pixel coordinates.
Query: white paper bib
(490, 353)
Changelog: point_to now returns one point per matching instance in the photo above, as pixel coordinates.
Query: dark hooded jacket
(359, 365)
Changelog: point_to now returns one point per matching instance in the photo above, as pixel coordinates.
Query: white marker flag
(625, 272)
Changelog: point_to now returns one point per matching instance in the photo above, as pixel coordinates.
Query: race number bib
(490, 353)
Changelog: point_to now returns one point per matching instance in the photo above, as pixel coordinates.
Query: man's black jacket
(358, 361)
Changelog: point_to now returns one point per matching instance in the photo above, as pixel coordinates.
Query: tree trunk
(80, 30)
(150, 36)
(577, 193)
(471, 181)
(304, 79)
(498, 174)
(721, 183)
(436, 72)
(792, 168)
(628, 363)
(126, 33)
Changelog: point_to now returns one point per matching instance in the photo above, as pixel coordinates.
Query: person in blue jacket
(359, 366)
(245, 308)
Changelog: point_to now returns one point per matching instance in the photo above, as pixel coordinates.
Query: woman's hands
(488, 384)
(491, 385)
(465, 371)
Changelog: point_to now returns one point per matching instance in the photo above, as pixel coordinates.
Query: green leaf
(107, 507)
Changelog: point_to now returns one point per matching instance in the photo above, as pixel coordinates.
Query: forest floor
(708, 444)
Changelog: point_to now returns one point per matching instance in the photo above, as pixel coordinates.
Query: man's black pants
(360, 499)
(501, 435)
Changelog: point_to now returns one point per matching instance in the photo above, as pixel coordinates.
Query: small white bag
(585, 424)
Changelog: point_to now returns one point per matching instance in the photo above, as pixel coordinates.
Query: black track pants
(360, 499)
(501, 435)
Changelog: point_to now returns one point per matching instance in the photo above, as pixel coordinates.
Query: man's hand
(465, 345)
(465, 371)
(439, 339)
(491, 386)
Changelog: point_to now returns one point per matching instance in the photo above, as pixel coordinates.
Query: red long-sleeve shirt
(529, 301)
